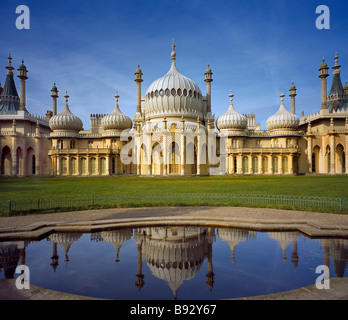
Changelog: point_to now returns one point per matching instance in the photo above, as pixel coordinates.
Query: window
(72, 144)
(161, 93)
(190, 93)
(156, 93)
(179, 92)
(258, 143)
(234, 143)
(60, 144)
(288, 143)
(173, 92)
(276, 143)
(167, 92)
(90, 144)
(185, 92)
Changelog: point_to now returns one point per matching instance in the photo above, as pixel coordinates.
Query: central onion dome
(231, 120)
(116, 120)
(65, 121)
(173, 95)
(283, 119)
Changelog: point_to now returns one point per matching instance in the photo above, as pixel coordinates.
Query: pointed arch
(6, 161)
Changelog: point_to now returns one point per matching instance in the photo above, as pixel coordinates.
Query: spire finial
(66, 97)
(231, 95)
(173, 51)
(117, 96)
(336, 66)
(9, 59)
(9, 67)
(282, 95)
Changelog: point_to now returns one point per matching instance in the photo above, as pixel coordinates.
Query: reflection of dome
(231, 120)
(233, 237)
(116, 120)
(173, 95)
(65, 120)
(66, 240)
(117, 238)
(174, 254)
(284, 238)
(282, 119)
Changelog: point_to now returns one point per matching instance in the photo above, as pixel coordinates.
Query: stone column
(309, 153)
(14, 156)
(58, 165)
(332, 154)
(240, 164)
(68, 170)
(291, 167)
(260, 164)
(270, 164)
(182, 153)
(107, 169)
(88, 164)
(78, 165)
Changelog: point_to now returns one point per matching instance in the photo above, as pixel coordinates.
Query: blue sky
(92, 48)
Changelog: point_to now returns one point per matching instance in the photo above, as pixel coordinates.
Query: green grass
(28, 188)
(92, 187)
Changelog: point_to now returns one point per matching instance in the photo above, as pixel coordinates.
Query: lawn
(29, 188)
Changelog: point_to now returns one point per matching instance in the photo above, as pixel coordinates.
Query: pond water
(174, 262)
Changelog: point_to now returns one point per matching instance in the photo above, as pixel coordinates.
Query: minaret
(323, 75)
(208, 79)
(345, 88)
(138, 80)
(54, 96)
(22, 70)
(292, 96)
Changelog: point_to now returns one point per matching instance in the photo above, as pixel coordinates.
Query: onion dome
(231, 120)
(116, 120)
(173, 95)
(282, 120)
(65, 121)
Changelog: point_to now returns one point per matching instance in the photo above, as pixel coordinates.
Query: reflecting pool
(174, 262)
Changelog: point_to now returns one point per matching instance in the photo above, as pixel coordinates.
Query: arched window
(285, 165)
(265, 164)
(275, 164)
(255, 164)
(245, 165)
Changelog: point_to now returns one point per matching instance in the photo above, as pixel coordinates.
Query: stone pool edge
(308, 227)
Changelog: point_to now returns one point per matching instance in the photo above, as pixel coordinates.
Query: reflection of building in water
(10, 254)
(285, 238)
(234, 236)
(174, 254)
(65, 240)
(337, 250)
(116, 237)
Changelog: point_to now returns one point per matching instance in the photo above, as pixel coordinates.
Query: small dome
(66, 120)
(231, 120)
(116, 120)
(282, 119)
(323, 65)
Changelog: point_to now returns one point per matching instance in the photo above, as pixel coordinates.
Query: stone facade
(173, 132)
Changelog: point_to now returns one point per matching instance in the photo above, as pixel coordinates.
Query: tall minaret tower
(208, 79)
(22, 70)
(138, 79)
(54, 96)
(323, 75)
(292, 96)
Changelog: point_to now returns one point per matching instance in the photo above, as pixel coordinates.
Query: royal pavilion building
(173, 132)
